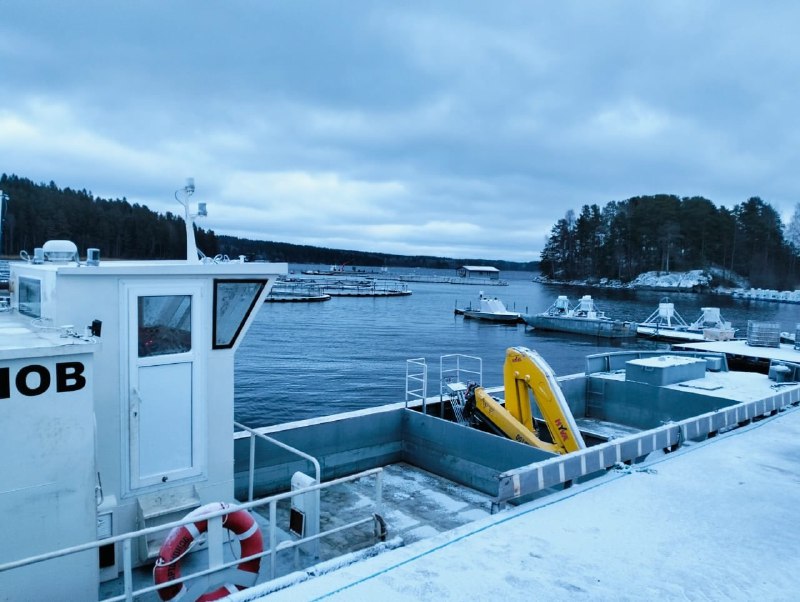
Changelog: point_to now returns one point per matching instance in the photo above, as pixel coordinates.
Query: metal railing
(538, 476)
(251, 473)
(417, 381)
(215, 534)
(459, 368)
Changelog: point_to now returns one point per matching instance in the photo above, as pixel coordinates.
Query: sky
(459, 129)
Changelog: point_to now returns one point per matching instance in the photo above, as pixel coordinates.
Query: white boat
(666, 324)
(125, 476)
(584, 318)
(490, 309)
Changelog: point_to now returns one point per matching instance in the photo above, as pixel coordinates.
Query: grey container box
(665, 370)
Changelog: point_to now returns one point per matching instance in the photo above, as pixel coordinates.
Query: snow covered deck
(740, 348)
(714, 520)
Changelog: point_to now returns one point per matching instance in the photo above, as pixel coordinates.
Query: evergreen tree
(665, 233)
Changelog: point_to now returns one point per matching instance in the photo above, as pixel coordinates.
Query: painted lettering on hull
(36, 379)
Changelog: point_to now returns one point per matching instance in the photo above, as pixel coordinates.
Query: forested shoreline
(667, 233)
(618, 241)
(36, 213)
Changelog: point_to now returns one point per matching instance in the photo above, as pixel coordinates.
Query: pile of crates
(763, 334)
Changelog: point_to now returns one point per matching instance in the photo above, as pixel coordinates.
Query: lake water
(301, 360)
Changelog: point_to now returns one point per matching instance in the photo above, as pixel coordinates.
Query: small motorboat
(490, 309)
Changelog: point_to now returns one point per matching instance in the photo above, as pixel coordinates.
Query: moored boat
(584, 319)
(666, 324)
(490, 309)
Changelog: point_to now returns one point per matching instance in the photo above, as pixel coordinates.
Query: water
(301, 360)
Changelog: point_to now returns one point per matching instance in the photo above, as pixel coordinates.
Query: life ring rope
(196, 533)
(239, 523)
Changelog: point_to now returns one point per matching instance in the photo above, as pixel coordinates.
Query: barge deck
(669, 528)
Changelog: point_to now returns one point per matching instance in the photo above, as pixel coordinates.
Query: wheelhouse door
(165, 409)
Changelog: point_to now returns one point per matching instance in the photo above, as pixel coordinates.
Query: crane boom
(526, 372)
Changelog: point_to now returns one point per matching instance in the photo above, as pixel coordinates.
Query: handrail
(417, 382)
(605, 362)
(254, 433)
(215, 521)
(535, 477)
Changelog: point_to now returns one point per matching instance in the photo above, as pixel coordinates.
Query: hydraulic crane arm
(526, 372)
(501, 420)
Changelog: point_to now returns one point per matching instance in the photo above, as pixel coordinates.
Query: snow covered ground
(674, 280)
(667, 281)
(713, 521)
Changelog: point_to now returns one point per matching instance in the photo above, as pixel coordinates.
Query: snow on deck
(20, 334)
(735, 386)
(663, 361)
(740, 348)
(714, 520)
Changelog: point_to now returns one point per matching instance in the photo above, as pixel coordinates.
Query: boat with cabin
(128, 478)
(584, 318)
(490, 309)
(666, 324)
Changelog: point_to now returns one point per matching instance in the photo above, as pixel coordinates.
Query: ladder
(457, 392)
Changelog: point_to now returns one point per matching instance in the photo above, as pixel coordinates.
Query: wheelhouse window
(30, 297)
(165, 325)
(234, 300)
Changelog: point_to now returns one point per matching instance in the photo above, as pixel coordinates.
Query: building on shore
(478, 271)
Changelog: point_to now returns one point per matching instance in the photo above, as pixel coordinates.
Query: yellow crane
(525, 373)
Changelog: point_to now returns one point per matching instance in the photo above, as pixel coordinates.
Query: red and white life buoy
(181, 539)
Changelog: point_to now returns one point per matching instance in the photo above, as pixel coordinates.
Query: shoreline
(749, 294)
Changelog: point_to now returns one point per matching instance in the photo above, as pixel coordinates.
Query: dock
(296, 291)
(311, 290)
(364, 288)
(738, 352)
(435, 279)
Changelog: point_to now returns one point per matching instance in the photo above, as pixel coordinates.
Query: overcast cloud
(459, 129)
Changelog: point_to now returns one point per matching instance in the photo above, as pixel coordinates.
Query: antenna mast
(192, 255)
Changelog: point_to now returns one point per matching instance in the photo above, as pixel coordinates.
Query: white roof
(479, 268)
(26, 337)
(173, 267)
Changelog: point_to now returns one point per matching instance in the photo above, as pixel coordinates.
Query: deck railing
(216, 541)
(254, 435)
(460, 368)
(417, 381)
(538, 476)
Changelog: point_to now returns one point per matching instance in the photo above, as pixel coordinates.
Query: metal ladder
(457, 392)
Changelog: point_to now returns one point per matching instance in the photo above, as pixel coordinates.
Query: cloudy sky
(453, 128)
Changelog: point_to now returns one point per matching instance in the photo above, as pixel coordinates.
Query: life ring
(181, 539)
